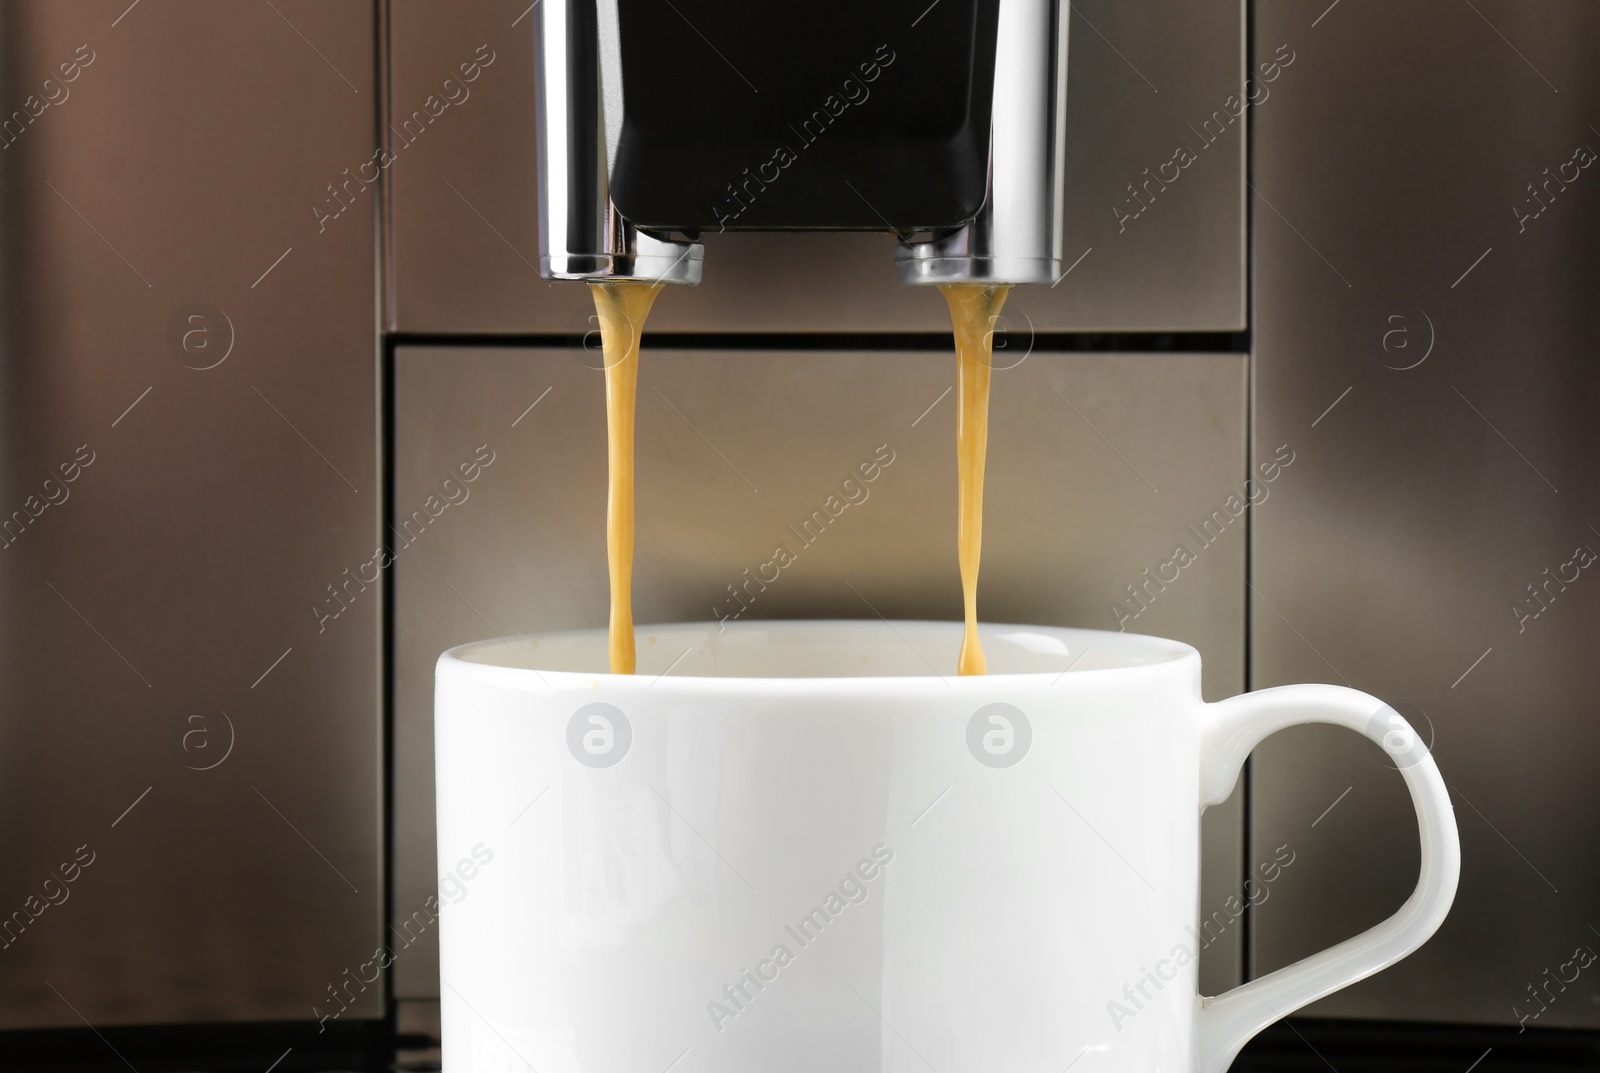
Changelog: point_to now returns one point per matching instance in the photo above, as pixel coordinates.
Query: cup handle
(1230, 730)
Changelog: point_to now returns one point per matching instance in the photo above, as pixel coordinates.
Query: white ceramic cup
(802, 846)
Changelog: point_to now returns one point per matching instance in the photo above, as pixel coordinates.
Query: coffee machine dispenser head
(942, 124)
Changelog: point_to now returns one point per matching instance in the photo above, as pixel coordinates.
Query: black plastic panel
(830, 115)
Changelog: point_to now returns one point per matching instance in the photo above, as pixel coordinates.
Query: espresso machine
(291, 291)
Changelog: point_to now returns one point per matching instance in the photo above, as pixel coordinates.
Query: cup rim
(1160, 655)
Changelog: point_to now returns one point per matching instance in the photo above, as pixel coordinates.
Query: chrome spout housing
(1016, 236)
(582, 236)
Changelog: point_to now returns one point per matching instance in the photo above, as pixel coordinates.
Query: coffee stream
(623, 307)
(973, 309)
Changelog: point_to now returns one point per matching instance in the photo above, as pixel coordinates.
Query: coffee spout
(844, 133)
(582, 235)
(1016, 236)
